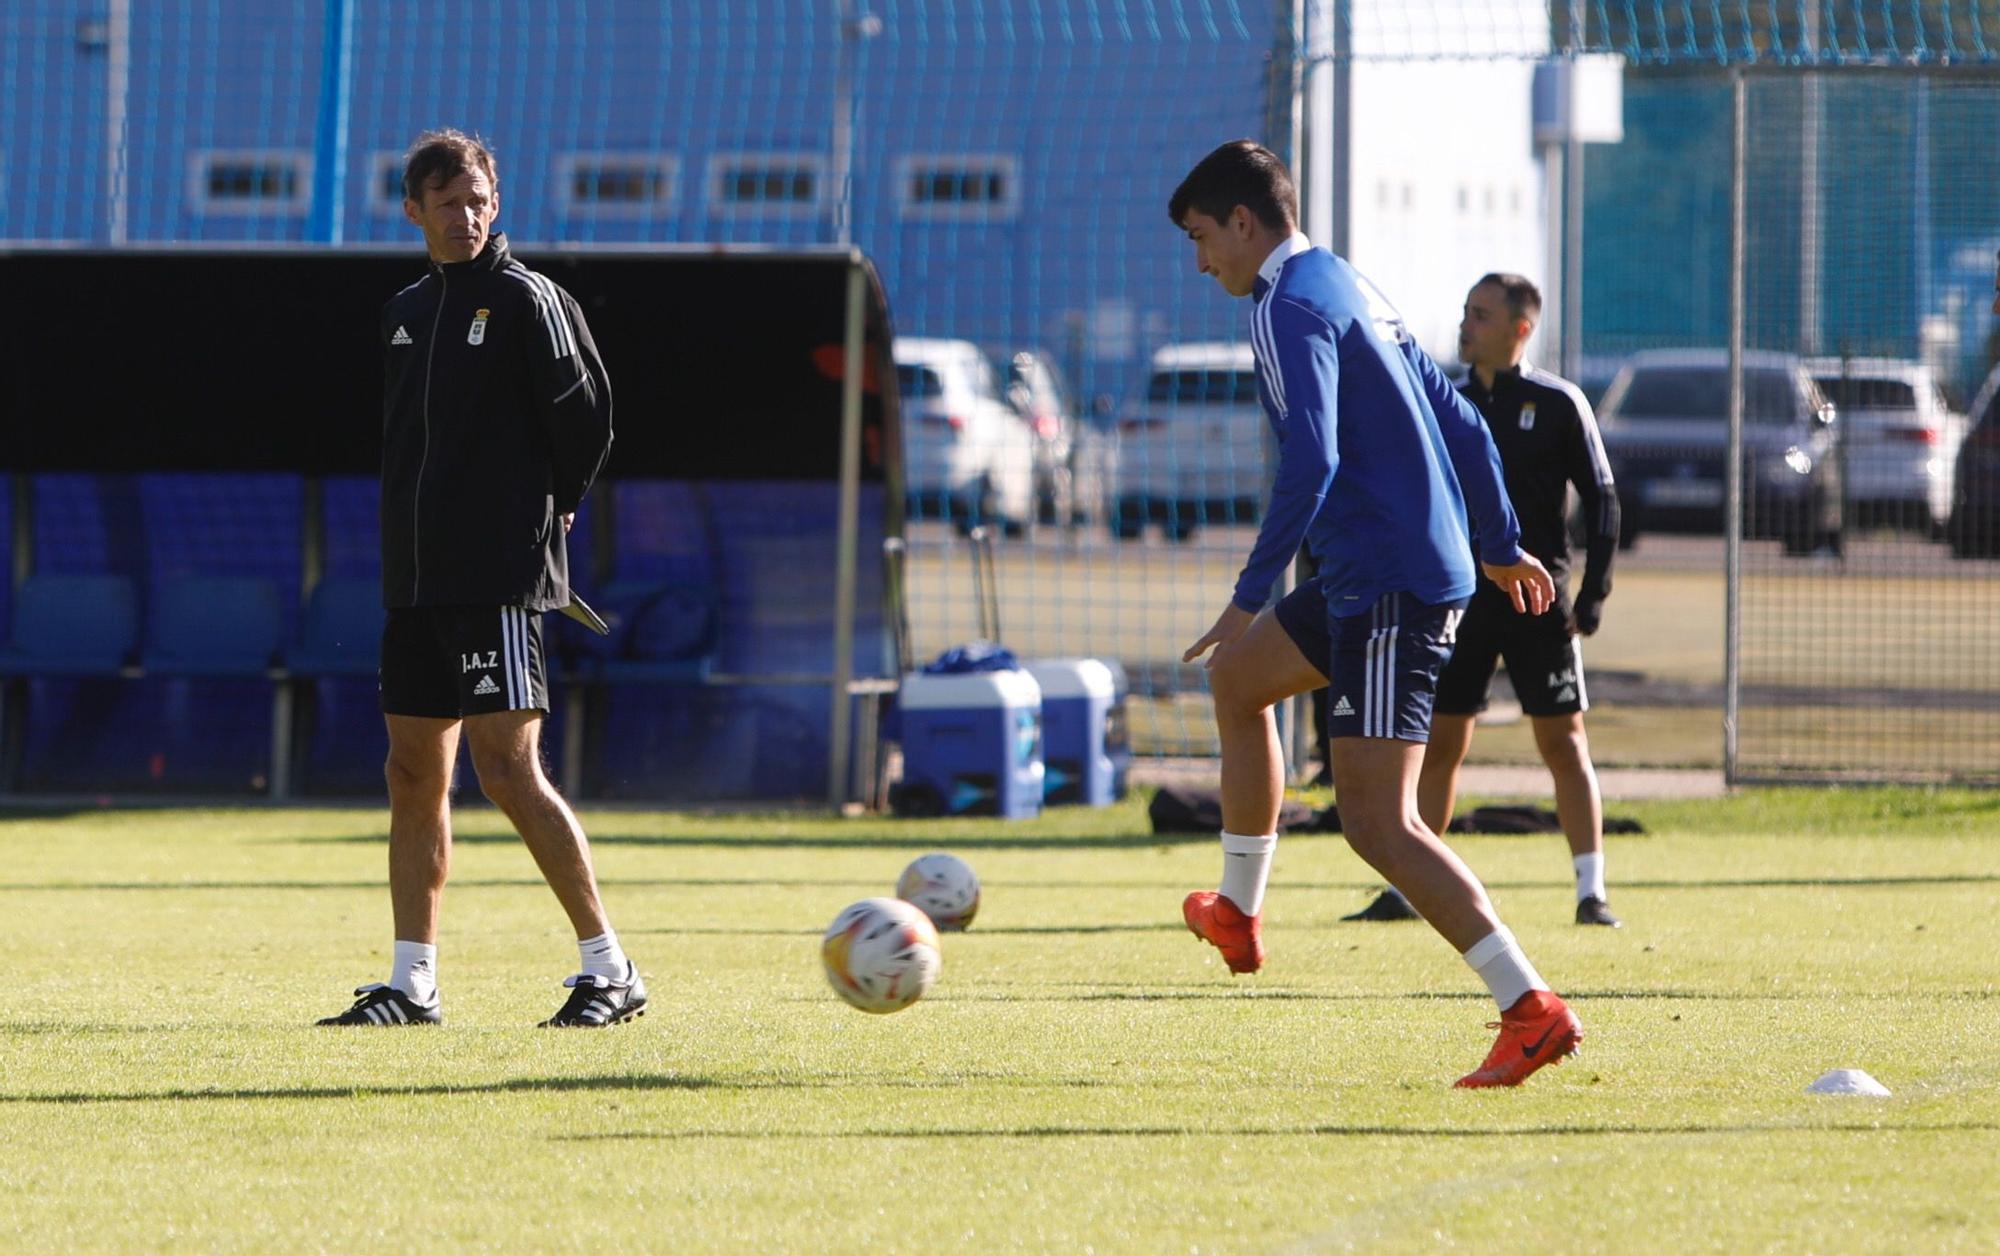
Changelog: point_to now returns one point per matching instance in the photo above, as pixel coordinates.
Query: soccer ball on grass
(881, 954)
(945, 887)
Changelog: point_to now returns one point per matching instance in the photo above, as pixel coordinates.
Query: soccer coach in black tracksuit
(1548, 441)
(496, 420)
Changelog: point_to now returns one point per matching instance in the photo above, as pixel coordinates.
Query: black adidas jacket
(1548, 440)
(496, 417)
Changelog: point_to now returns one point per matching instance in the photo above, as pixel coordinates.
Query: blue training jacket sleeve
(1476, 460)
(1307, 379)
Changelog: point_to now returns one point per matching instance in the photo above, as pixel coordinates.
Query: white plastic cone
(1847, 1081)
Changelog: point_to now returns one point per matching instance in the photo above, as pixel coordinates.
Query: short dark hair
(1524, 299)
(1241, 172)
(437, 157)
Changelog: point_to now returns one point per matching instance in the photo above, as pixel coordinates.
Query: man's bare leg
(1579, 805)
(421, 754)
(1375, 783)
(1437, 783)
(1247, 679)
(506, 753)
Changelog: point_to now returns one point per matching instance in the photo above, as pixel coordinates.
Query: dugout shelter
(191, 446)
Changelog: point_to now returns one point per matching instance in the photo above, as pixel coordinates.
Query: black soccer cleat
(595, 1002)
(1593, 910)
(1388, 905)
(386, 1005)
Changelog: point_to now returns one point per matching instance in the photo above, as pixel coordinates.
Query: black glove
(1589, 612)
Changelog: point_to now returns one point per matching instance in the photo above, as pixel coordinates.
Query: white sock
(1589, 875)
(602, 956)
(1498, 960)
(1246, 866)
(415, 971)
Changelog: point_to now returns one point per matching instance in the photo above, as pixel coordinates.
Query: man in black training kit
(1548, 440)
(496, 419)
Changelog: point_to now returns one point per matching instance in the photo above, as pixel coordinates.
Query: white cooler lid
(1073, 678)
(925, 692)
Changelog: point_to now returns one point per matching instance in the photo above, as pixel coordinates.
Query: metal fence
(1792, 205)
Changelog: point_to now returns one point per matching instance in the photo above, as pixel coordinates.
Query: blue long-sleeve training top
(1379, 455)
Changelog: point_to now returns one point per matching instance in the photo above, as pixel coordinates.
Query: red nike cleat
(1214, 919)
(1539, 1029)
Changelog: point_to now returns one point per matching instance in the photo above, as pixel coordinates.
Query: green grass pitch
(1085, 1076)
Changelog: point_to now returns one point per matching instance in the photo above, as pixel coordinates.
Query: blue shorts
(1381, 665)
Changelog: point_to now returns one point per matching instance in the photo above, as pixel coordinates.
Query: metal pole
(1732, 498)
(1572, 268)
(330, 146)
(839, 747)
(853, 29)
(1341, 182)
(117, 88)
(1809, 208)
(1294, 717)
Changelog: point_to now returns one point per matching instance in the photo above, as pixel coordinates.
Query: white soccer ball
(945, 886)
(881, 954)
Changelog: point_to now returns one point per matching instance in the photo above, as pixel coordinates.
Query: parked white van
(1195, 449)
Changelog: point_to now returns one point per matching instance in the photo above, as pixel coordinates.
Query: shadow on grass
(1174, 886)
(548, 1085)
(1305, 1131)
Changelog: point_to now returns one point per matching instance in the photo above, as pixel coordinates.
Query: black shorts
(1544, 661)
(1381, 665)
(448, 662)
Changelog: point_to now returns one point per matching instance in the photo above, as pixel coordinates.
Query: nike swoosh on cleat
(1530, 1049)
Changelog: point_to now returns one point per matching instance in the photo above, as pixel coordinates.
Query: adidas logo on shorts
(402, 336)
(1342, 706)
(484, 687)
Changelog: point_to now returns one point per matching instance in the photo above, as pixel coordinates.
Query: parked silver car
(1899, 439)
(967, 456)
(1036, 391)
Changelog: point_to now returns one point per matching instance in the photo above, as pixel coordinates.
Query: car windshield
(918, 381)
(1216, 387)
(1702, 392)
(1858, 392)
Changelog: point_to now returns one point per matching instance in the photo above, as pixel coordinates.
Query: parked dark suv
(1666, 430)
(1974, 531)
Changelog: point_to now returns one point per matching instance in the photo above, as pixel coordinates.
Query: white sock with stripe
(1500, 963)
(1246, 867)
(414, 971)
(1589, 875)
(602, 956)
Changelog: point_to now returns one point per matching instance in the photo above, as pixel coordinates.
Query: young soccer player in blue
(1379, 460)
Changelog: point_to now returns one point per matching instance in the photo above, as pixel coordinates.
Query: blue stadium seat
(342, 632)
(72, 626)
(659, 633)
(214, 626)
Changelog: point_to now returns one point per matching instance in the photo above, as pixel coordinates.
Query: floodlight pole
(840, 700)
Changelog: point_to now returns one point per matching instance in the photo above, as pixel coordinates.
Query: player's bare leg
(1247, 679)
(1437, 782)
(421, 754)
(1375, 785)
(1579, 807)
(1375, 779)
(506, 753)
(418, 771)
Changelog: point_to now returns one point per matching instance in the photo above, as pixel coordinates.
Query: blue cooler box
(1083, 730)
(972, 745)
